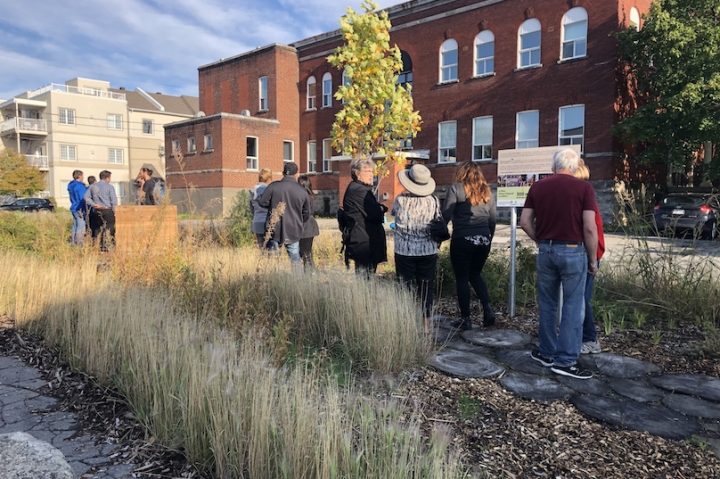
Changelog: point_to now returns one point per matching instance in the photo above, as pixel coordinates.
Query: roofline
(220, 116)
(149, 98)
(246, 55)
(396, 11)
(158, 112)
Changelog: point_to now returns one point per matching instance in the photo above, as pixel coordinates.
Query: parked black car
(688, 214)
(28, 204)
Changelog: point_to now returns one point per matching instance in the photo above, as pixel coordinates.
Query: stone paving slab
(497, 338)
(465, 364)
(617, 366)
(23, 408)
(533, 387)
(636, 390)
(691, 406)
(699, 385)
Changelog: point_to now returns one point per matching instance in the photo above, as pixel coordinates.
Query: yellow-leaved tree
(377, 113)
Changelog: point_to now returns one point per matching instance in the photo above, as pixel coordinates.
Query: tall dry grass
(221, 399)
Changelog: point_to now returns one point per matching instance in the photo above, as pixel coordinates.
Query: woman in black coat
(363, 235)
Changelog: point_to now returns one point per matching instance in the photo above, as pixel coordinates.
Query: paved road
(23, 408)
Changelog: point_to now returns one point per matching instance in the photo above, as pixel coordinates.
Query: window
(527, 133)
(312, 157)
(345, 81)
(148, 126)
(251, 156)
(191, 146)
(114, 121)
(448, 61)
(447, 141)
(327, 154)
(311, 84)
(175, 146)
(68, 152)
(634, 18)
(574, 33)
(208, 144)
(572, 125)
(529, 44)
(327, 90)
(67, 116)
(484, 53)
(482, 138)
(288, 151)
(115, 156)
(405, 77)
(263, 88)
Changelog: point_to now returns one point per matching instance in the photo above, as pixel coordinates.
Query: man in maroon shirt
(559, 215)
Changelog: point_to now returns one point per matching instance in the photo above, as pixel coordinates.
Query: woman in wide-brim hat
(415, 251)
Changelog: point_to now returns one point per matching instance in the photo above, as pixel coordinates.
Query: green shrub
(239, 222)
(43, 233)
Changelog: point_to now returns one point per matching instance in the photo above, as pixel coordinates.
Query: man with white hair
(559, 215)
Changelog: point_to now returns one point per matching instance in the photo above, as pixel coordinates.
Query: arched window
(635, 18)
(484, 53)
(529, 43)
(574, 33)
(345, 81)
(448, 61)
(405, 76)
(311, 93)
(327, 90)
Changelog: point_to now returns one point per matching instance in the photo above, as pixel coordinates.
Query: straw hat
(417, 180)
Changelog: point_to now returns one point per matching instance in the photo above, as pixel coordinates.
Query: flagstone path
(23, 408)
(625, 392)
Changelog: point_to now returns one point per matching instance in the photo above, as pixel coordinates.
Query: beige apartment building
(84, 124)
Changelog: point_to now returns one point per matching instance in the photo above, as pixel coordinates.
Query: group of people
(295, 228)
(92, 205)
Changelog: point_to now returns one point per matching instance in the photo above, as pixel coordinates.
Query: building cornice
(244, 55)
(221, 116)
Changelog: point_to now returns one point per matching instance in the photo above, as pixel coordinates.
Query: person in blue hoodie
(76, 191)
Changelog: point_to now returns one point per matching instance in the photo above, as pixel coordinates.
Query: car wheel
(710, 233)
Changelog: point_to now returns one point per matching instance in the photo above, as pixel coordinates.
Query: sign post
(517, 171)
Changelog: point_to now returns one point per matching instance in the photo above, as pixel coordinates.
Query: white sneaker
(591, 347)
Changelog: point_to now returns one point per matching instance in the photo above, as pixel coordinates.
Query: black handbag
(438, 229)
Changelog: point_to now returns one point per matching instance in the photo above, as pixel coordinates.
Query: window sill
(446, 163)
(445, 83)
(264, 111)
(190, 153)
(571, 60)
(326, 107)
(484, 75)
(310, 109)
(529, 67)
(253, 170)
(209, 150)
(485, 161)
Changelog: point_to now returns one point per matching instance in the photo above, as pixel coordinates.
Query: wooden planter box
(145, 228)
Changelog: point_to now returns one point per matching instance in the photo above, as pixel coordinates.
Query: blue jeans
(561, 265)
(589, 333)
(293, 250)
(78, 228)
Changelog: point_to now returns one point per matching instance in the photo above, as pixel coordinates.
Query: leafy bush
(43, 233)
(239, 222)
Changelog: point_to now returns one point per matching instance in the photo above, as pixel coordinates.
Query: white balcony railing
(78, 90)
(39, 161)
(24, 124)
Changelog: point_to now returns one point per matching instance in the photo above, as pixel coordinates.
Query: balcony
(28, 126)
(79, 91)
(38, 161)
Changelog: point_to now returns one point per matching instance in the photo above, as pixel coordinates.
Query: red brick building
(487, 75)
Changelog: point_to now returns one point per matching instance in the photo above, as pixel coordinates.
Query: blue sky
(154, 44)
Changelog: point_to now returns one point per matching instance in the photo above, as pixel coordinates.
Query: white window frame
(447, 46)
(263, 104)
(66, 116)
(345, 81)
(292, 151)
(191, 145)
(483, 145)
(444, 151)
(526, 143)
(152, 126)
(252, 163)
(326, 154)
(207, 145)
(573, 138)
(327, 90)
(483, 38)
(634, 20)
(68, 148)
(312, 156)
(311, 101)
(113, 154)
(175, 145)
(113, 123)
(572, 17)
(529, 26)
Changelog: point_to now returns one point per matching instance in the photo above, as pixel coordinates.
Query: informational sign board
(518, 170)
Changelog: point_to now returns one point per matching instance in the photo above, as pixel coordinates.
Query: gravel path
(24, 408)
